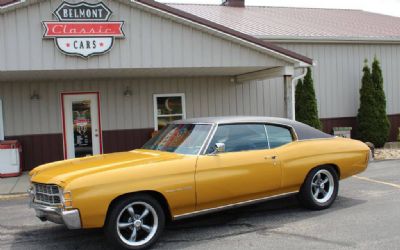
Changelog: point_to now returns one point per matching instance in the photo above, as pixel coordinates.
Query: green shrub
(373, 124)
(398, 135)
(306, 102)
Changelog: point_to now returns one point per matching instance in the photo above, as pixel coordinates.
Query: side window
(240, 137)
(278, 136)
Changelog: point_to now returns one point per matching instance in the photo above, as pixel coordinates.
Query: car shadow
(261, 218)
(258, 218)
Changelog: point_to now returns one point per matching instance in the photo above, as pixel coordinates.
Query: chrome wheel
(137, 223)
(322, 186)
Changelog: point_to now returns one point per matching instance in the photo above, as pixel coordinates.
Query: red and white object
(10, 159)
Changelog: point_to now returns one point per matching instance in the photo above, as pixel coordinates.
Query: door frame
(62, 95)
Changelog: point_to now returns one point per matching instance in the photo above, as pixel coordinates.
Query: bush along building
(306, 103)
(87, 77)
(373, 124)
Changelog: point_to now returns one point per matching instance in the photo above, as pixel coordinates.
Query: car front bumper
(70, 218)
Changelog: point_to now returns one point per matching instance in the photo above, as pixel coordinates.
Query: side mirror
(218, 148)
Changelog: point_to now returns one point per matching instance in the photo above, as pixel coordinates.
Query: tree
(298, 97)
(380, 102)
(373, 124)
(306, 102)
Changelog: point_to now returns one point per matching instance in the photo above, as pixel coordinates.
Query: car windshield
(180, 138)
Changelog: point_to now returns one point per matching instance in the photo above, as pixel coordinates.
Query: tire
(320, 188)
(135, 222)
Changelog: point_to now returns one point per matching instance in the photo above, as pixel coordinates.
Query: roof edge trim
(330, 39)
(11, 3)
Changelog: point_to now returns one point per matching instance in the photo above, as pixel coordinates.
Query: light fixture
(35, 96)
(127, 92)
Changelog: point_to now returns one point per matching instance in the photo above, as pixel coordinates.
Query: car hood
(62, 172)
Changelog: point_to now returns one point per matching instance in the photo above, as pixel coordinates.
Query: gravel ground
(387, 154)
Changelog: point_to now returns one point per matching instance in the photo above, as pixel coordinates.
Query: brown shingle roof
(284, 22)
(7, 2)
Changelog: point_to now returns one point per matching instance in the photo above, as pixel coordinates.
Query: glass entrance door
(82, 135)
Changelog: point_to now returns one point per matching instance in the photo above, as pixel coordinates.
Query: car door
(247, 169)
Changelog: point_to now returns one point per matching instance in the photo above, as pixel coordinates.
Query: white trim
(155, 111)
(266, 74)
(12, 4)
(68, 134)
(1, 121)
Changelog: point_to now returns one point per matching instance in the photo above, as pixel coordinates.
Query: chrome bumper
(69, 218)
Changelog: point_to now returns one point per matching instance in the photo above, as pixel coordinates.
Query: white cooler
(10, 159)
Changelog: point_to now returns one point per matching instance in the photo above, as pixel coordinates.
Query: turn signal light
(67, 199)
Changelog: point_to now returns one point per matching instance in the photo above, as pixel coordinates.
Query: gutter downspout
(294, 80)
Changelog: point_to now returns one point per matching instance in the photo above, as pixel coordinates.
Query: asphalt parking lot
(366, 215)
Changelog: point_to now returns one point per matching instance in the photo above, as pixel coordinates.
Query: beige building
(92, 77)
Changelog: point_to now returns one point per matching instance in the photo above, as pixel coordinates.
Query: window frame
(291, 131)
(215, 128)
(155, 109)
(209, 140)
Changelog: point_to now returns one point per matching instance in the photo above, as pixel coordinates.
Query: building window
(168, 108)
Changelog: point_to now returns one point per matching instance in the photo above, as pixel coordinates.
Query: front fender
(93, 194)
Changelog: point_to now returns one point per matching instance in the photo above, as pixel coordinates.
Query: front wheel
(320, 188)
(135, 222)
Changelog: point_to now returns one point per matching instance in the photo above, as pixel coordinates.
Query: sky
(388, 7)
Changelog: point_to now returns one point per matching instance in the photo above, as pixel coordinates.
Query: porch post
(289, 97)
(1, 122)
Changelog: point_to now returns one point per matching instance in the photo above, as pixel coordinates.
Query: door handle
(274, 157)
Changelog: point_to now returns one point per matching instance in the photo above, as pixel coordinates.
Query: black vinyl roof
(303, 131)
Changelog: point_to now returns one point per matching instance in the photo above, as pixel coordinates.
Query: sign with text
(83, 29)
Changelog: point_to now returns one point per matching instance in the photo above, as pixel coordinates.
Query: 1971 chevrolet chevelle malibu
(194, 167)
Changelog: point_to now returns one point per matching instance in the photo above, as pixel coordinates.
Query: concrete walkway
(14, 185)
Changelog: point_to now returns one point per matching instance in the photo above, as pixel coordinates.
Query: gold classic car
(193, 167)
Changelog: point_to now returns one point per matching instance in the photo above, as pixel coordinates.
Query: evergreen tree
(306, 102)
(373, 125)
(298, 96)
(380, 104)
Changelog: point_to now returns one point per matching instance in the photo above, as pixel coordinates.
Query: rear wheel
(320, 188)
(135, 222)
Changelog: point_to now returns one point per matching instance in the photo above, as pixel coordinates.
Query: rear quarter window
(278, 136)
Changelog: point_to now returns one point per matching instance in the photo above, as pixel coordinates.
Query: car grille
(46, 194)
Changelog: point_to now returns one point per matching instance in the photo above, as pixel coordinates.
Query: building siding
(338, 73)
(151, 41)
(205, 96)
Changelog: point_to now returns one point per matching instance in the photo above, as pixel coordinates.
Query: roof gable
(245, 39)
(155, 40)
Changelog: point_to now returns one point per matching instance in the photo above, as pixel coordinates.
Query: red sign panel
(82, 29)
